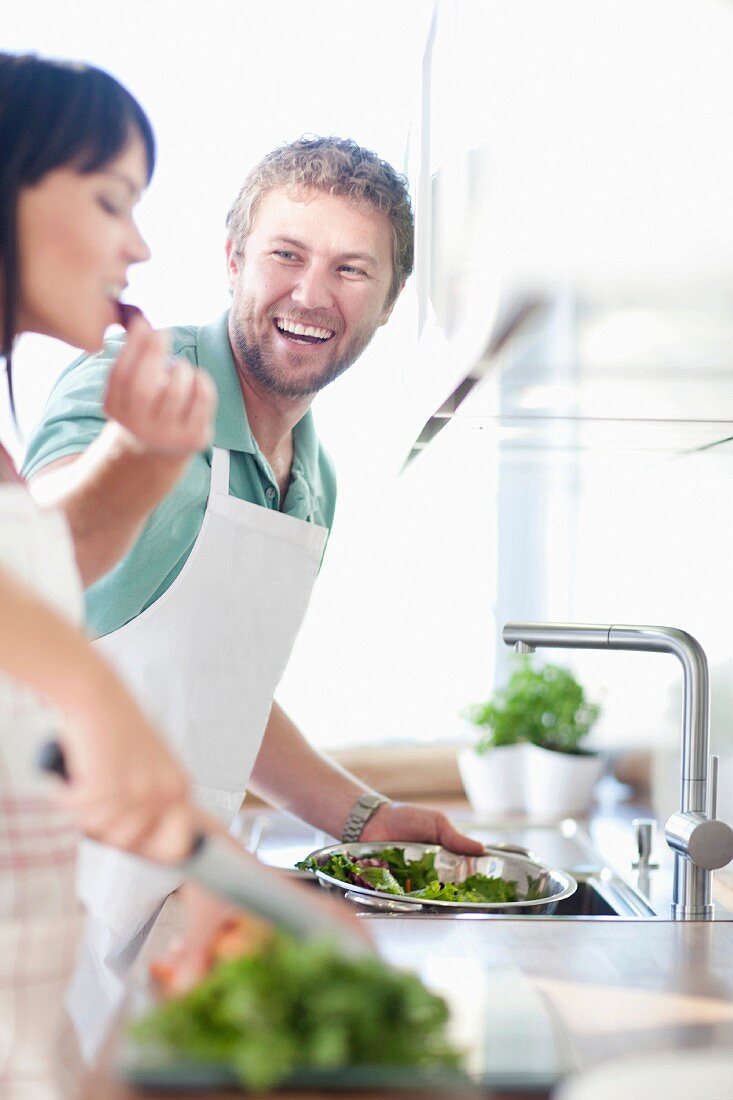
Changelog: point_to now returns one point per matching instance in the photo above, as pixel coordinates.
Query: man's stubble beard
(258, 363)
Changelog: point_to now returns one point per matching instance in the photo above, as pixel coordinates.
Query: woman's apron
(40, 919)
(204, 660)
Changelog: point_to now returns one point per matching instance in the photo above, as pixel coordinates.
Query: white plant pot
(559, 784)
(494, 780)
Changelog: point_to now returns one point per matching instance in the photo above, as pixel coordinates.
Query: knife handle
(51, 759)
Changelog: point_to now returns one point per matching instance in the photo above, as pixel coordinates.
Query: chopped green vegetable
(491, 888)
(297, 1004)
(443, 891)
(338, 866)
(381, 878)
(475, 888)
(417, 878)
(418, 872)
(356, 872)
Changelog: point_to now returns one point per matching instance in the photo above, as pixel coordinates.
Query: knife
(212, 864)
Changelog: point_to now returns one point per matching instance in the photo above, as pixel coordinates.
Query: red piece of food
(163, 975)
(127, 312)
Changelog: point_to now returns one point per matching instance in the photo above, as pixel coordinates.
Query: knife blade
(247, 883)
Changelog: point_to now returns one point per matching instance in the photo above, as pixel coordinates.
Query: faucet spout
(700, 843)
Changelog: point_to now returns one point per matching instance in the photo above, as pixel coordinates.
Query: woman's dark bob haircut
(54, 114)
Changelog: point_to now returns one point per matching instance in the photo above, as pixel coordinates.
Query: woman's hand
(167, 406)
(213, 930)
(402, 821)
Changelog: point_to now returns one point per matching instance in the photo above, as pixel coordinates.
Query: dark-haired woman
(76, 151)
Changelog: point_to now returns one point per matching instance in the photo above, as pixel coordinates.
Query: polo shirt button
(270, 492)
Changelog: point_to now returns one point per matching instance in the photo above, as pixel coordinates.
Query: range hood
(565, 374)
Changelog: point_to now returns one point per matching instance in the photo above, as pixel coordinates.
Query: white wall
(401, 630)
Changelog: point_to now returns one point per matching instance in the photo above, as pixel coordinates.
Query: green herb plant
(545, 706)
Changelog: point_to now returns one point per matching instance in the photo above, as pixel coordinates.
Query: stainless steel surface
(557, 635)
(553, 886)
(644, 832)
(515, 849)
(605, 895)
(601, 856)
(511, 319)
(383, 904)
(709, 844)
(699, 843)
(713, 801)
(599, 896)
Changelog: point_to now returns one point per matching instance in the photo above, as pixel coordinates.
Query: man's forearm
(107, 493)
(292, 775)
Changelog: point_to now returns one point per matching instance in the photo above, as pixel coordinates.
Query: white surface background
(224, 82)
(610, 165)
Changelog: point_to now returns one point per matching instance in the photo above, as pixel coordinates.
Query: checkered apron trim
(40, 919)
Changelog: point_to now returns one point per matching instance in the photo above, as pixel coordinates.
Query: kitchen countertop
(613, 987)
(616, 987)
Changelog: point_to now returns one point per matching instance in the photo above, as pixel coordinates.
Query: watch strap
(366, 805)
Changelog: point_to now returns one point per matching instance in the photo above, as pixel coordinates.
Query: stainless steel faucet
(700, 842)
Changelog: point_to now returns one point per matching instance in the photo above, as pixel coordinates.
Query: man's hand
(166, 406)
(402, 821)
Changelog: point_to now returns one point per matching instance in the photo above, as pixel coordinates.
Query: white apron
(204, 660)
(40, 919)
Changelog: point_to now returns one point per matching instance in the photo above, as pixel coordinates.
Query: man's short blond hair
(337, 166)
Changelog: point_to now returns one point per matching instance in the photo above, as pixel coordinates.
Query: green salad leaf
(381, 878)
(417, 878)
(491, 888)
(474, 889)
(411, 874)
(296, 1004)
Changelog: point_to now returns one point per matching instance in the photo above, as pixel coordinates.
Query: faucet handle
(709, 844)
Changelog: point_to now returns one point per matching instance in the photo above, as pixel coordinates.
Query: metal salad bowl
(540, 888)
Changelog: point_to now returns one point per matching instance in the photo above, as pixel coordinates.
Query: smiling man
(210, 586)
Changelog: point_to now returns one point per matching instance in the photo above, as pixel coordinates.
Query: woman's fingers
(136, 379)
(145, 828)
(172, 839)
(168, 406)
(124, 366)
(125, 788)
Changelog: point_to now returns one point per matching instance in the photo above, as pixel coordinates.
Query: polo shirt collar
(231, 430)
(214, 352)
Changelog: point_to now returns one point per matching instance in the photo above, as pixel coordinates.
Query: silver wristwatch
(362, 810)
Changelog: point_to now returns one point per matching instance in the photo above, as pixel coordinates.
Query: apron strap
(220, 471)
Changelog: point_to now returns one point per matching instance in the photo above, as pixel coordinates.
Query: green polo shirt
(74, 417)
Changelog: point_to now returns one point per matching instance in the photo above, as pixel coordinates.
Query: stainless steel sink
(604, 894)
(608, 889)
(601, 895)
